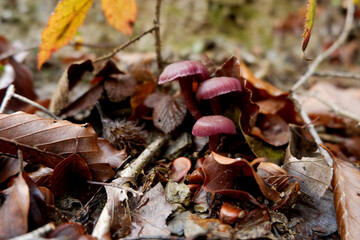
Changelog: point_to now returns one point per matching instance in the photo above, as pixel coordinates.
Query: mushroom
(213, 126)
(185, 72)
(214, 87)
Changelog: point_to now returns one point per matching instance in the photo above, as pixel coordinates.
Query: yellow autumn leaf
(309, 23)
(62, 26)
(120, 14)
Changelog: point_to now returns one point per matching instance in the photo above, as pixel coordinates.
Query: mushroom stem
(189, 97)
(213, 140)
(216, 105)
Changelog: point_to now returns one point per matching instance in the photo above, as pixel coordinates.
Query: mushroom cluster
(209, 89)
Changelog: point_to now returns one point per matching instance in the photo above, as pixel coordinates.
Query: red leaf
(179, 169)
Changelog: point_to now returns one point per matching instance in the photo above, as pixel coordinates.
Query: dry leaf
(62, 26)
(179, 169)
(120, 14)
(48, 142)
(150, 219)
(169, 112)
(17, 206)
(235, 178)
(346, 185)
(303, 160)
(67, 81)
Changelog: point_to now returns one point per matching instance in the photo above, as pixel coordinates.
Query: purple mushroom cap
(184, 69)
(213, 125)
(217, 86)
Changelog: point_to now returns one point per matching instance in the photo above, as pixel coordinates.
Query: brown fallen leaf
(303, 160)
(68, 231)
(17, 206)
(148, 218)
(48, 142)
(169, 112)
(141, 92)
(235, 178)
(272, 129)
(346, 184)
(18, 74)
(68, 80)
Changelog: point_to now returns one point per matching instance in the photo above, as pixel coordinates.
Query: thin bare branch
(16, 51)
(336, 109)
(128, 43)
(338, 75)
(10, 93)
(157, 36)
(294, 97)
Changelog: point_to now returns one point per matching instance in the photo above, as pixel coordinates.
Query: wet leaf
(303, 160)
(179, 169)
(309, 23)
(235, 178)
(346, 185)
(120, 14)
(149, 219)
(17, 206)
(8, 167)
(169, 112)
(48, 142)
(62, 26)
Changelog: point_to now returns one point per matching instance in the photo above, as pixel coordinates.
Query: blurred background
(265, 34)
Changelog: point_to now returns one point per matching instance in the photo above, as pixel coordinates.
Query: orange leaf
(346, 183)
(120, 14)
(62, 26)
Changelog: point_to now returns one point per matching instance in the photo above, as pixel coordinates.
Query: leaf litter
(233, 192)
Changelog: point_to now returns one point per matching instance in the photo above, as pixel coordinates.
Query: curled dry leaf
(17, 206)
(169, 112)
(48, 142)
(303, 160)
(68, 80)
(179, 169)
(68, 231)
(309, 23)
(346, 183)
(235, 178)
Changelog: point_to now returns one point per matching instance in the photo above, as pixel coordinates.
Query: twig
(347, 27)
(294, 97)
(336, 109)
(116, 50)
(132, 171)
(11, 93)
(337, 75)
(37, 233)
(14, 52)
(135, 167)
(157, 36)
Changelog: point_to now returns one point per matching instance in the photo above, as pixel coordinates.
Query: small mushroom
(214, 87)
(185, 72)
(213, 126)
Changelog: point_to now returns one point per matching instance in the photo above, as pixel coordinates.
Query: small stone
(177, 224)
(177, 193)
